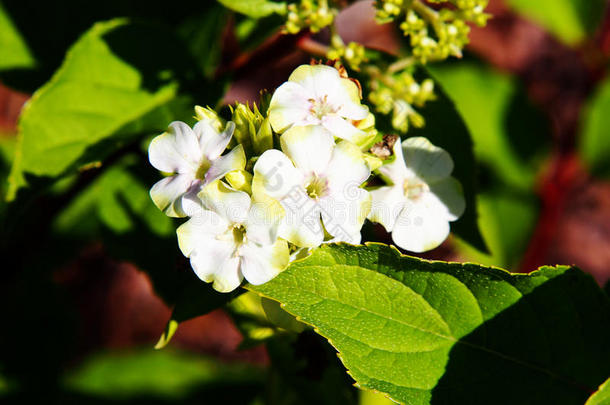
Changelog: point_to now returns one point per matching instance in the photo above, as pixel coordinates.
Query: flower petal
(212, 143)
(227, 202)
(275, 175)
(427, 161)
(347, 168)
(350, 101)
(167, 194)
(289, 105)
(212, 258)
(234, 160)
(262, 223)
(341, 128)
(324, 81)
(343, 215)
(176, 150)
(197, 231)
(301, 223)
(422, 224)
(229, 276)
(387, 204)
(317, 80)
(310, 148)
(261, 263)
(449, 192)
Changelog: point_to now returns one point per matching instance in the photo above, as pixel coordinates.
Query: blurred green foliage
(168, 374)
(595, 141)
(572, 21)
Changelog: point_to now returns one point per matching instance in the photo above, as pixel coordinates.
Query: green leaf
(446, 128)
(279, 317)
(167, 375)
(602, 396)
(14, 52)
(110, 77)
(255, 8)
(594, 145)
(434, 332)
(570, 20)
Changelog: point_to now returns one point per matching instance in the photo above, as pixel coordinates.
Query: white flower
(194, 158)
(231, 240)
(316, 182)
(318, 95)
(423, 197)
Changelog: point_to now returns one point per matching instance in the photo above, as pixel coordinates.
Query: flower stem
(312, 46)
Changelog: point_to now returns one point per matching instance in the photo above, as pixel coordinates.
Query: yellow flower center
(316, 187)
(203, 168)
(239, 234)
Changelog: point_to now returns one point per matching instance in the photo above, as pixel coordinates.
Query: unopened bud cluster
(434, 34)
(353, 53)
(398, 94)
(311, 14)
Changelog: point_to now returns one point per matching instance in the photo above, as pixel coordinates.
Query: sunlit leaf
(601, 396)
(107, 80)
(435, 332)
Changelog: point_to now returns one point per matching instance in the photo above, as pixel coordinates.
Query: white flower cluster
(309, 191)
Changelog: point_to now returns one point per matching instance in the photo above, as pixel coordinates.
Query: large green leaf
(255, 8)
(595, 139)
(446, 333)
(115, 74)
(601, 396)
(570, 20)
(14, 52)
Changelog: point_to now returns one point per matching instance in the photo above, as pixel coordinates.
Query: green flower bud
(252, 129)
(207, 113)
